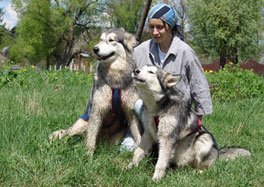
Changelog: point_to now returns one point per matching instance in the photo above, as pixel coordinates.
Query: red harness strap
(197, 128)
(199, 122)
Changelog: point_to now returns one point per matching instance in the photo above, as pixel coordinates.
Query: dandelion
(56, 78)
(33, 66)
(211, 71)
(25, 69)
(230, 63)
(76, 73)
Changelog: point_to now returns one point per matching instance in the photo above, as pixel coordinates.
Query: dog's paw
(158, 174)
(130, 165)
(57, 134)
(90, 152)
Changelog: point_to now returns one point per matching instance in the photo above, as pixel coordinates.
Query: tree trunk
(69, 46)
(48, 63)
(222, 60)
(143, 19)
(67, 53)
(236, 56)
(223, 54)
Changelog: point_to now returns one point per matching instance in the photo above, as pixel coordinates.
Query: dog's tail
(231, 153)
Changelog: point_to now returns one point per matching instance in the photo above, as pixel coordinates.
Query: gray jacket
(180, 59)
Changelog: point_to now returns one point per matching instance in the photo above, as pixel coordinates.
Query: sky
(10, 16)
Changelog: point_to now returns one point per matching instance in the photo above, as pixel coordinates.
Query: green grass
(29, 113)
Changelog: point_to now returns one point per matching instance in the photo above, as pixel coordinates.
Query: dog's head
(114, 43)
(153, 81)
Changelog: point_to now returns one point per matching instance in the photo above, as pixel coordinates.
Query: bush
(29, 76)
(230, 83)
(234, 83)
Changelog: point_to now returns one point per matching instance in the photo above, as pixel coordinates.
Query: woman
(173, 55)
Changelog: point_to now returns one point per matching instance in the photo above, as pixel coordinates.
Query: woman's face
(159, 30)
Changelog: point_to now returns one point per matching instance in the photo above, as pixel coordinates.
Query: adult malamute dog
(115, 65)
(180, 139)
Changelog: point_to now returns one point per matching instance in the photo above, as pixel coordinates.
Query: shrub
(234, 83)
(230, 83)
(29, 76)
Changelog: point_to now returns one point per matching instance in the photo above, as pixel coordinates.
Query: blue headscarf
(167, 14)
(164, 12)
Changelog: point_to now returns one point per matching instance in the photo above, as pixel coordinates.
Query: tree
(126, 13)
(6, 38)
(50, 28)
(1, 26)
(227, 28)
(35, 33)
(2, 12)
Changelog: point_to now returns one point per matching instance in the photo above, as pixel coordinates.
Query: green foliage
(30, 77)
(2, 12)
(6, 38)
(6, 75)
(2, 28)
(36, 37)
(233, 83)
(227, 28)
(50, 28)
(127, 14)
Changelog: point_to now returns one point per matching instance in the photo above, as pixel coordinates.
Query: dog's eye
(111, 40)
(151, 72)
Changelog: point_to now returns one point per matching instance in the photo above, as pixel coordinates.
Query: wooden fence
(251, 64)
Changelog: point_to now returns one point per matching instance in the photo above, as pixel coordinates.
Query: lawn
(35, 104)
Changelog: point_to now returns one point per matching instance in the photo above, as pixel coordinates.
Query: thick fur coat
(181, 141)
(116, 63)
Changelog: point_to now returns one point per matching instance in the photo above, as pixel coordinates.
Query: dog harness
(197, 128)
(116, 108)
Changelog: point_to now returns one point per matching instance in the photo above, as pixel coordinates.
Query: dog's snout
(136, 71)
(96, 49)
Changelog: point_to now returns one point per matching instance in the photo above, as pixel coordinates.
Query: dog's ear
(171, 80)
(130, 41)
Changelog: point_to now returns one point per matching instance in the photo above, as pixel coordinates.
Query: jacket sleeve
(199, 88)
